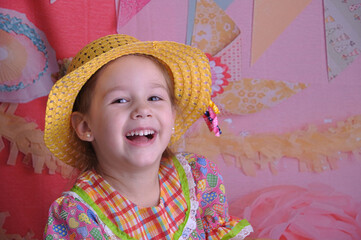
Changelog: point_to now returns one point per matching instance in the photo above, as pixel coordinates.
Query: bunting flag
(343, 34)
(213, 29)
(270, 19)
(126, 9)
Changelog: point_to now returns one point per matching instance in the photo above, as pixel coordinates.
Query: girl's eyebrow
(158, 85)
(117, 88)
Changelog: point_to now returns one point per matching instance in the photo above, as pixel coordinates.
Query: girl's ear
(81, 127)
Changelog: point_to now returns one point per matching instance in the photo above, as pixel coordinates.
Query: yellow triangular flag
(270, 19)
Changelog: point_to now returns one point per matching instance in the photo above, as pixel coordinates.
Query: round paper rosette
(26, 59)
(220, 75)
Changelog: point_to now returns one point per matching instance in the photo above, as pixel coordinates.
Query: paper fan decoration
(213, 29)
(252, 95)
(13, 57)
(26, 59)
(220, 75)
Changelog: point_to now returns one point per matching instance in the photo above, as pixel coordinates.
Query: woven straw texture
(192, 86)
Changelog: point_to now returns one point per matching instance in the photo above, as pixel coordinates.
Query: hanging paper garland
(316, 150)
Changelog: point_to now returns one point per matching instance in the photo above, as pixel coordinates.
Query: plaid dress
(192, 205)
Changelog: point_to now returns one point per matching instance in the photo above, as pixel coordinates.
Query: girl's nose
(141, 111)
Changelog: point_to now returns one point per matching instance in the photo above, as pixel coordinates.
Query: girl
(113, 116)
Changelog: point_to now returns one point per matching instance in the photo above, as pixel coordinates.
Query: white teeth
(140, 133)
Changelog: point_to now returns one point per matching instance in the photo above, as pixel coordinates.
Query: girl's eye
(120, 100)
(154, 98)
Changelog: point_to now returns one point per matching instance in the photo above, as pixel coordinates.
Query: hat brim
(192, 88)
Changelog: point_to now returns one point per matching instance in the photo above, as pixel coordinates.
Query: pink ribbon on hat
(210, 116)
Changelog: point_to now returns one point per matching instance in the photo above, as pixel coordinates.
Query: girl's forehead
(126, 71)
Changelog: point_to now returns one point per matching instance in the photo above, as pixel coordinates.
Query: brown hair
(83, 101)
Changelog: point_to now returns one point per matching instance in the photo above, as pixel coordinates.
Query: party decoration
(126, 9)
(252, 95)
(270, 19)
(213, 29)
(63, 65)
(294, 212)
(234, 95)
(343, 34)
(10, 236)
(26, 59)
(25, 137)
(316, 150)
(229, 59)
(224, 4)
(220, 75)
(11, 66)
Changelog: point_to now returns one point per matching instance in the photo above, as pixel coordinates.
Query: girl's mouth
(140, 136)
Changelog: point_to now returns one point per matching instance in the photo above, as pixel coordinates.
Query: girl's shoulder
(70, 218)
(68, 203)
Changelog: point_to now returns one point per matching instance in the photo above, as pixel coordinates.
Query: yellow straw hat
(192, 87)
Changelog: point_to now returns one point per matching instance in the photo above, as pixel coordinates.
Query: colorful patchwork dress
(192, 206)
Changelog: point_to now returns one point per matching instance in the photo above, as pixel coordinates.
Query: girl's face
(131, 116)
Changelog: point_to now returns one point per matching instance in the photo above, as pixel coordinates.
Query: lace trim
(243, 233)
(191, 224)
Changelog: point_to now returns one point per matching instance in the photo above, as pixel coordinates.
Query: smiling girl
(114, 116)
